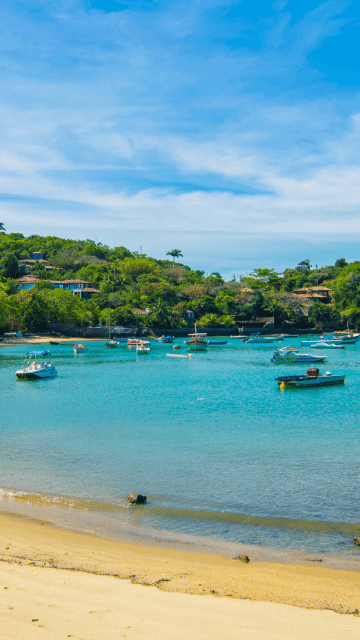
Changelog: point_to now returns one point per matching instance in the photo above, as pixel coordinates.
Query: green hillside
(167, 291)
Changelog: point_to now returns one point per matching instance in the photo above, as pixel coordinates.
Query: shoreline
(26, 541)
(18, 342)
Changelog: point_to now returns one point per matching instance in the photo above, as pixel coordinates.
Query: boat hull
(309, 381)
(35, 375)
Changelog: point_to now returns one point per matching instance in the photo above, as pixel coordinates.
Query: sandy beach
(58, 584)
(10, 341)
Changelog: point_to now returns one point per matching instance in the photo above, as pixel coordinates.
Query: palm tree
(175, 253)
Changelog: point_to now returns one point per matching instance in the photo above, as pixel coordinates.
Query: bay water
(227, 460)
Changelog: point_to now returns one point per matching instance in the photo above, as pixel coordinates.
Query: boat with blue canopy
(33, 368)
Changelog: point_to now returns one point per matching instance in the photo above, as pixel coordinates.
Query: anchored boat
(312, 378)
(142, 349)
(80, 347)
(33, 369)
(164, 340)
(289, 354)
(257, 339)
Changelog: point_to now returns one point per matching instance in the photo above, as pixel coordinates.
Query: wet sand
(76, 585)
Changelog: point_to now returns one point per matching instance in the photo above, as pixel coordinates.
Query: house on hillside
(316, 294)
(27, 264)
(26, 282)
(80, 288)
(140, 312)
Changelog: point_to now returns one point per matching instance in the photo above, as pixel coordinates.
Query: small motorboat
(33, 369)
(327, 345)
(330, 339)
(215, 343)
(312, 378)
(178, 355)
(290, 355)
(78, 347)
(176, 346)
(54, 342)
(111, 344)
(164, 340)
(258, 339)
(133, 342)
(142, 349)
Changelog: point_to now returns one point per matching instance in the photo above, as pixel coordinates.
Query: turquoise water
(223, 455)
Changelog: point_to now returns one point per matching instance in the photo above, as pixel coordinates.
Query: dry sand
(60, 584)
(10, 341)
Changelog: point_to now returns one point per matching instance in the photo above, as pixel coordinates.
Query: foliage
(128, 280)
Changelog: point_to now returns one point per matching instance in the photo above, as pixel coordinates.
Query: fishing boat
(215, 343)
(257, 339)
(80, 347)
(290, 355)
(111, 344)
(197, 341)
(164, 340)
(33, 369)
(312, 378)
(142, 349)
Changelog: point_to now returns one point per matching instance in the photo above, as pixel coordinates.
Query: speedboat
(164, 339)
(111, 344)
(330, 339)
(312, 378)
(33, 369)
(327, 345)
(260, 339)
(80, 347)
(142, 349)
(289, 354)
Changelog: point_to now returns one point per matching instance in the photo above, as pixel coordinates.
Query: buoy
(283, 385)
(190, 356)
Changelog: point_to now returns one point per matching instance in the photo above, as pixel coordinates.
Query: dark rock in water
(242, 557)
(356, 541)
(135, 498)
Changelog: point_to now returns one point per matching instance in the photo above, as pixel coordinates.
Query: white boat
(311, 379)
(327, 345)
(133, 342)
(257, 339)
(33, 369)
(111, 344)
(290, 355)
(142, 349)
(80, 347)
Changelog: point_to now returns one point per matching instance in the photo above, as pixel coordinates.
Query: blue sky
(230, 130)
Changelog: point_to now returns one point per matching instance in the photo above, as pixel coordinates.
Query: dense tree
(9, 265)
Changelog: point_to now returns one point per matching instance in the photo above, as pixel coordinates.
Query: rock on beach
(135, 498)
